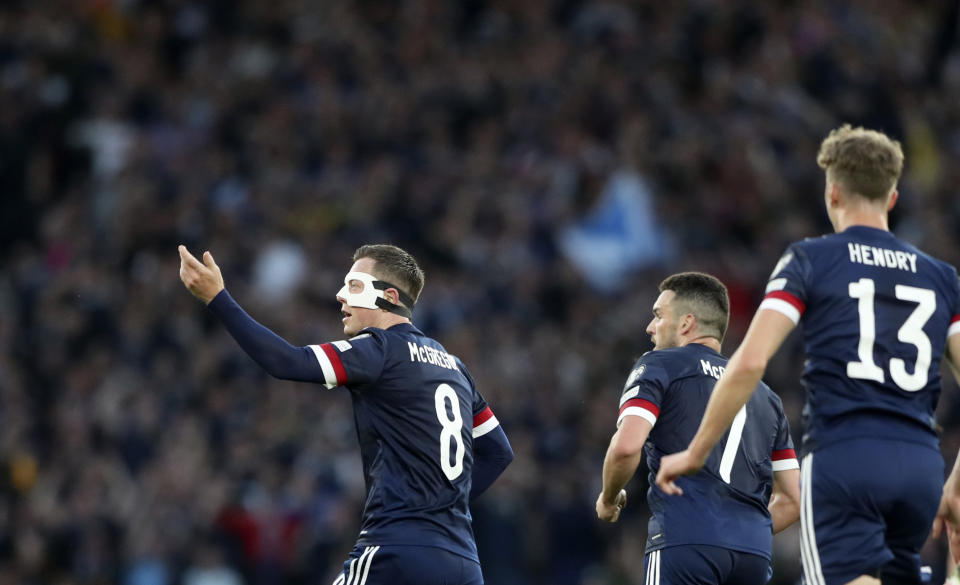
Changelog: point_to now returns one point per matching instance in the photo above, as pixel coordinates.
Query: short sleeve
(788, 286)
(783, 456)
(643, 393)
(351, 362)
(484, 420)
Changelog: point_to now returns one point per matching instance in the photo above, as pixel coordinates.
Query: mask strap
(388, 306)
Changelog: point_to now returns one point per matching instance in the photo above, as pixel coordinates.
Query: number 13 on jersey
(910, 332)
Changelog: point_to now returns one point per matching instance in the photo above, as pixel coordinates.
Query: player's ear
(835, 195)
(893, 199)
(392, 295)
(687, 323)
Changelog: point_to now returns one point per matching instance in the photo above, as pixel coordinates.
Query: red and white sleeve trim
(334, 373)
(484, 422)
(784, 459)
(784, 303)
(954, 326)
(639, 407)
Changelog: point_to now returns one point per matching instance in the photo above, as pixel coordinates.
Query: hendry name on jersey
(428, 355)
(873, 256)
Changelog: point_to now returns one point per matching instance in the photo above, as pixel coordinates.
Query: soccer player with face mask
(428, 441)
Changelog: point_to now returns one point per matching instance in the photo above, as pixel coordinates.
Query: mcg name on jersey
(725, 503)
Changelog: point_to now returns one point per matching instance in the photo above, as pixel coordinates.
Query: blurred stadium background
(548, 161)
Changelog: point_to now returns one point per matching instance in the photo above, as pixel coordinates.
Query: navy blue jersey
(417, 411)
(725, 503)
(876, 315)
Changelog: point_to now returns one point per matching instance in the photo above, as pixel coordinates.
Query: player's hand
(948, 517)
(203, 280)
(674, 466)
(610, 512)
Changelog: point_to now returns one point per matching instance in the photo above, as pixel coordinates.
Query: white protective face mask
(371, 295)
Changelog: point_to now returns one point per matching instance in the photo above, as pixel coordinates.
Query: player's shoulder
(768, 396)
(660, 357)
(673, 361)
(814, 246)
(369, 335)
(403, 334)
(944, 269)
(949, 270)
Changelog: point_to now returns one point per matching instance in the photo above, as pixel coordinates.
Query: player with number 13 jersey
(876, 315)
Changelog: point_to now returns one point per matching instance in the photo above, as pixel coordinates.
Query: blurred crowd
(547, 161)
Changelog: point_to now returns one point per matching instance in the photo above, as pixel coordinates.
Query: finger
(189, 259)
(208, 260)
(670, 488)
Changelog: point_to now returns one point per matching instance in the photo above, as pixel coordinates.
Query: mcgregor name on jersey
(428, 355)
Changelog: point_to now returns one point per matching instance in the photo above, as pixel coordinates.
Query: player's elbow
(625, 450)
(785, 502)
(505, 457)
(784, 512)
(275, 369)
(749, 365)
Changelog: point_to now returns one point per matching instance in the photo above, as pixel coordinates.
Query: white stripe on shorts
(808, 536)
(653, 569)
(366, 570)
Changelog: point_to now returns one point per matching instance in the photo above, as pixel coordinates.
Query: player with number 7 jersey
(721, 531)
(428, 441)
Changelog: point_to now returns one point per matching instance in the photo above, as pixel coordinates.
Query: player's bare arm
(948, 514)
(202, 279)
(619, 465)
(766, 333)
(785, 500)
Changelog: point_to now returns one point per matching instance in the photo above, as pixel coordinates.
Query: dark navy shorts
(408, 565)
(697, 564)
(866, 507)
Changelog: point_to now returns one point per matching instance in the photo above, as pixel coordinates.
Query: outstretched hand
(202, 279)
(672, 467)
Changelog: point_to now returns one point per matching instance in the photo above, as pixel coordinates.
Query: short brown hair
(865, 162)
(394, 265)
(705, 297)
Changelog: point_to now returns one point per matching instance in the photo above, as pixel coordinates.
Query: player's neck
(388, 320)
(849, 211)
(706, 340)
(862, 217)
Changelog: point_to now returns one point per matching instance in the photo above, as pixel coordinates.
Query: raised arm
(744, 370)
(619, 465)
(279, 358)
